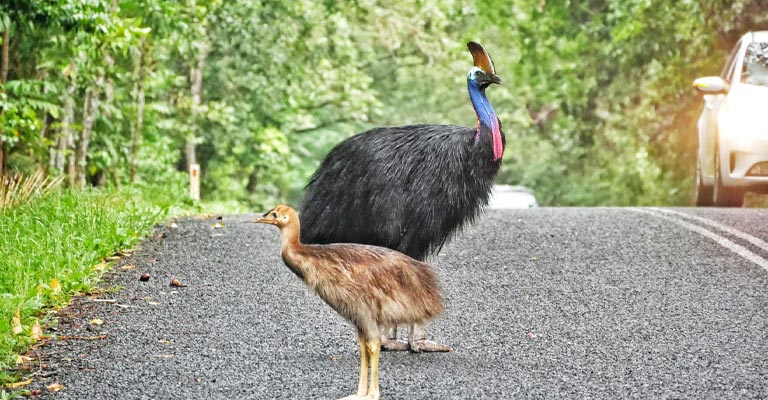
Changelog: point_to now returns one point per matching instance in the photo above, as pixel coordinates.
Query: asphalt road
(571, 303)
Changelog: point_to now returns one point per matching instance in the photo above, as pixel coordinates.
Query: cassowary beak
(485, 80)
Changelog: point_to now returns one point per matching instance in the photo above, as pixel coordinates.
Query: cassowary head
(482, 73)
(480, 77)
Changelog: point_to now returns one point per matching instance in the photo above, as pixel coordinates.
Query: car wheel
(724, 196)
(704, 193)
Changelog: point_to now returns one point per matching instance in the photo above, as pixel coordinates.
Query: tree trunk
(66, 140)
(90, 107)
(71, 161)
(6, 51)
(3, 79)
(196, 78)
(136, 139)
(136, 134)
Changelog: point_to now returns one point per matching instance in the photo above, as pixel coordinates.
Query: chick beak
(264, 219)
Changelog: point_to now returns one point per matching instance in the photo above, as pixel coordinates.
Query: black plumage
(407, 188)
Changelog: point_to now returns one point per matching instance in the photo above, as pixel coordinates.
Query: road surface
(548, 303)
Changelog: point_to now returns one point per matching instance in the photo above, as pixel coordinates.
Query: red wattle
(498, 147)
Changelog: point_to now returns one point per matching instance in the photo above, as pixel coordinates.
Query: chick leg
(374, 348)
(417, 341)
(389, 340)
(362, 385)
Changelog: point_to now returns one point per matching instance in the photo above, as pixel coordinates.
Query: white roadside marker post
(194, 182)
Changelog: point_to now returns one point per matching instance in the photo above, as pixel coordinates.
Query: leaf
(5, 22)
(16, 327)
(100, 267)
(97, 321)
(17, 385)
(37, 331)
(55, 387)
(22, 359)
(176, 283)
(55, 287)
(126, 267)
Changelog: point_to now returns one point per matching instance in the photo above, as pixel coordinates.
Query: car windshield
(755, 70)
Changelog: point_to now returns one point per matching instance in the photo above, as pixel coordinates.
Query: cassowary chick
(372, 287)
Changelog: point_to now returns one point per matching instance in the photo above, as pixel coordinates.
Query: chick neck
(290, 236)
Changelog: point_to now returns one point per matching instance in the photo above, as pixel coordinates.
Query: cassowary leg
(389, 340)
(417, 341)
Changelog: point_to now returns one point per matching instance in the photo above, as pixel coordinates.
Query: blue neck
(486, 117)
(485, 114)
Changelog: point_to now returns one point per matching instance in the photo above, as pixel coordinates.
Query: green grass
(63, 236)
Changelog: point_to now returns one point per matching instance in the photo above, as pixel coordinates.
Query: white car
(733, 126)
(506, 197)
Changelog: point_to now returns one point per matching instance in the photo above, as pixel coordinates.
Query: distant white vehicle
(733, 133)
(507, 197)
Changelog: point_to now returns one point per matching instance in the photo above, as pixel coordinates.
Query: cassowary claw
(394, 345)
(428, 346)
(417, 342)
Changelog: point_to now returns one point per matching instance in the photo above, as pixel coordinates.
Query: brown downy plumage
(370, 286)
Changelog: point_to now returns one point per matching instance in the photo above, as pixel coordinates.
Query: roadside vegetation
(58, 244)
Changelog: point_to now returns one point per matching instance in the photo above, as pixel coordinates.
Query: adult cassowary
(408, 188)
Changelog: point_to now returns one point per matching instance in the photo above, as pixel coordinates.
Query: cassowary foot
(389, 340)
(417, 341)
(427, 346)
(394, 345)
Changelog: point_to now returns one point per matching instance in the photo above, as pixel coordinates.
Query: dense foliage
(596, 105)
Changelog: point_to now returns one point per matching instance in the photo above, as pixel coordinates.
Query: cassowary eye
(274, 215)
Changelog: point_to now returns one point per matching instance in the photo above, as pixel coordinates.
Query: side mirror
(711, 84)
